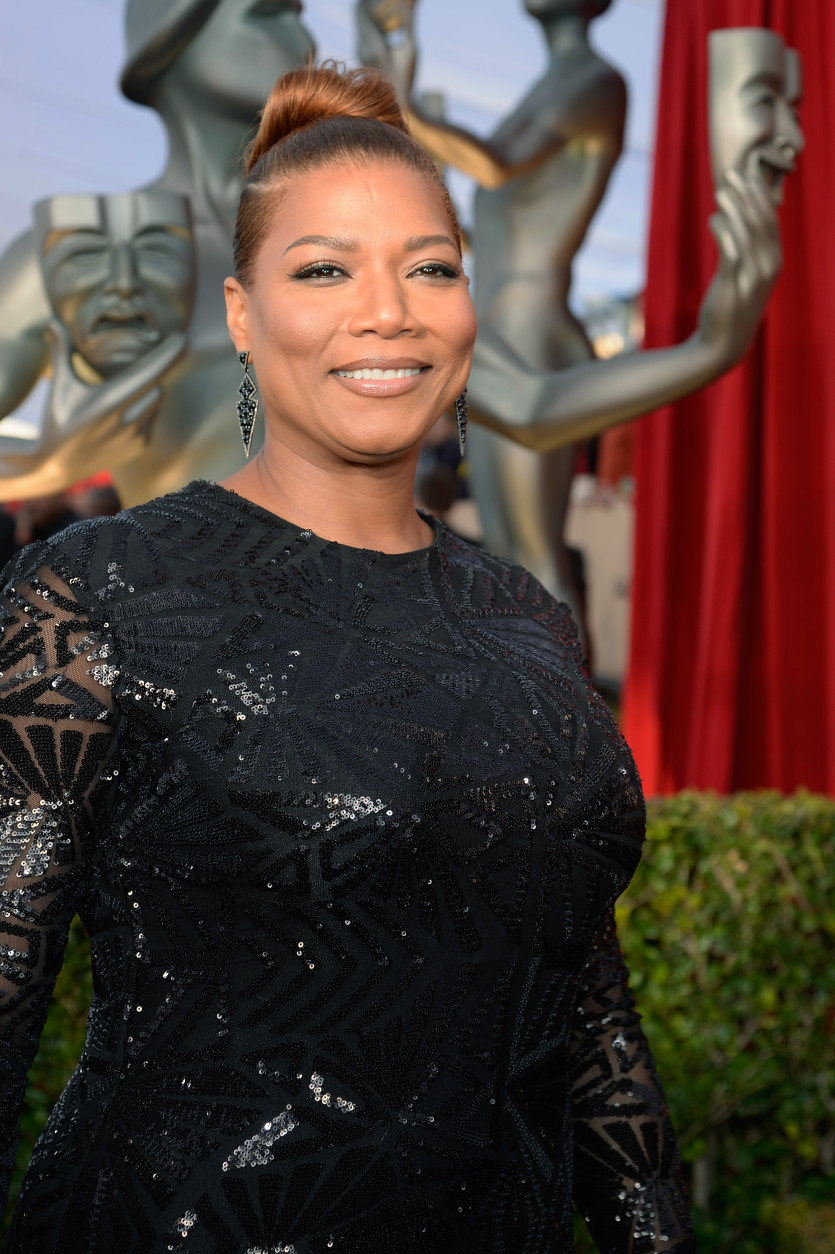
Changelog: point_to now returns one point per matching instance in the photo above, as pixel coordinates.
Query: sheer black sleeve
(56, 728)
(628, 1183)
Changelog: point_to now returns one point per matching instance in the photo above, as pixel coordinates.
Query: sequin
(256, 1149)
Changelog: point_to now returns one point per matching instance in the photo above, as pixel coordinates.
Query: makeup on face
(359, 318)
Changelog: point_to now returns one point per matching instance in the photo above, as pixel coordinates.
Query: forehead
(120, 216)
(744, 56)
(374, 199)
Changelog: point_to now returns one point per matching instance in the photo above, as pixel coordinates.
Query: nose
(382, 307)
(788, 128)
(123, 278)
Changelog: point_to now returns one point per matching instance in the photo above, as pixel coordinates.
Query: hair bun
(318, 93)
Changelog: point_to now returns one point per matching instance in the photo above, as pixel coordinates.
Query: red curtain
(732, 670)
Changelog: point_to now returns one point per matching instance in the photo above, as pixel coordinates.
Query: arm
(479, 158)
(87, 427)
(24, 316)
(627, 1173)
(56, 727)
(545, 411)
(485, 161)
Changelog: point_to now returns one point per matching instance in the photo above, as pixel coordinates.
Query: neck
(204, 153)
(566, 33)
(366, 507)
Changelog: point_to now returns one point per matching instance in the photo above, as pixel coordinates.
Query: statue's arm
(492, 163)
(549, 121)
(87, 428)
(544, 411)
(479, 158)
(24, 316)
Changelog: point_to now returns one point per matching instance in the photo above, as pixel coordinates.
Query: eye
(85, 254)
(438, 270)
(321, 270)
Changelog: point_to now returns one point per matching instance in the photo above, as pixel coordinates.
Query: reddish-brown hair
(315, 117)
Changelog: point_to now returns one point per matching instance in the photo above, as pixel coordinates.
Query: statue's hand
(385, 41)
(747, 233)
(122, 407)
(388, 15)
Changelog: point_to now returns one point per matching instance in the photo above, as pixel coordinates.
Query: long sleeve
(56, 728)
(628, 1182)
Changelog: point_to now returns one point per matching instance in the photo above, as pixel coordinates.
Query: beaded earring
(247, 407)
(461, 411)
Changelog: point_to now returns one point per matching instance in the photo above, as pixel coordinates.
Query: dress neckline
(245, 506)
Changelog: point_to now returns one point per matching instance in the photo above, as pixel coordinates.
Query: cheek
(463, 327)
(293, 336)
(758, 125)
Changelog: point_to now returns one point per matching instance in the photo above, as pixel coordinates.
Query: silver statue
(206, 67)
(543, 174)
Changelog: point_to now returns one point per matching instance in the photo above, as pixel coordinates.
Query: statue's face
(752, 119)
(118, 271)
(236, 57)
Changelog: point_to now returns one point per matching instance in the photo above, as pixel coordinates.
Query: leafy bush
(728, 928)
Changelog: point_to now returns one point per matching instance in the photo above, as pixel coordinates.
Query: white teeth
(378, 374)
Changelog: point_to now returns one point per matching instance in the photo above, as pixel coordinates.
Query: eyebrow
(765, 78)
(325, 241)
(419, 242)
(55, 236)
(336, 242)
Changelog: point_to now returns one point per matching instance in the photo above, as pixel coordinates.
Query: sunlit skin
(360, 270)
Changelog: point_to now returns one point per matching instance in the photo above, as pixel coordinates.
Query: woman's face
(360, 275)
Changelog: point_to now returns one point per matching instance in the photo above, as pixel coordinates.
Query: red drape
(732, 669)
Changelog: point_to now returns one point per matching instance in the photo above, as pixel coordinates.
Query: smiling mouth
(378, 374)
(778, 162)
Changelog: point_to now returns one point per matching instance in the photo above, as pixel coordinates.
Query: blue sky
(66, 128)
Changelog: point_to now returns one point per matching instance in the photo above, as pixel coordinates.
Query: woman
(332, 795)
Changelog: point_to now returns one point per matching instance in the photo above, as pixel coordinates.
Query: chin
(376, 453)
(378, 445)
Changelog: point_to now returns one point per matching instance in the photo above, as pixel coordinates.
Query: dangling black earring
(461, 411)
(247, 407)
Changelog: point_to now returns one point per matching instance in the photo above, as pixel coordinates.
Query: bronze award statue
(160, 419)
(542, 175)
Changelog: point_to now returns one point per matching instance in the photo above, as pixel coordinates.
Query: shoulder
(22, 295)
(96, 556)
(484, 586)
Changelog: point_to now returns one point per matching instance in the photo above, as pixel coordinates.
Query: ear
(237, 317)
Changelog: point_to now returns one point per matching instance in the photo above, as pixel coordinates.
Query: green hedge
(729, 930)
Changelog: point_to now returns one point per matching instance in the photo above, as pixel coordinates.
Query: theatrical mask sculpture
(118, 272)
(754, 86)
(543, 174)
(206, 66)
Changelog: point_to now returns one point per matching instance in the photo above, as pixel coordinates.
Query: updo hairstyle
(316, 117)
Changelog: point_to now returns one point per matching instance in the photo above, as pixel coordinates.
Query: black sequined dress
(346, 830)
